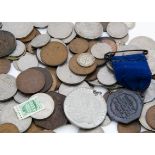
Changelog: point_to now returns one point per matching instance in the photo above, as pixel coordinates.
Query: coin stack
(62, 65)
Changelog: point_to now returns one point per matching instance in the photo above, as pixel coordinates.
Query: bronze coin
(77, 69)
(34, 129)
(150, 117)
(7, 43)
(8, 128)
(78, 45)
(133, 127)
(100, 62)
(30, 81)
(54, 53)
(58, 117)
(5, 66)
(92, 76)
(48, 78)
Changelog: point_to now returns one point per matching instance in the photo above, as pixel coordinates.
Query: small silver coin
(7, 86)
(70, 37)
(20, 49)
(60, 30)
(27, 61)
(106, 77)
(20, 97)
(67, 89)
(117, 29)
(100, 49)
(89, 30)
(8, 115)
(130, 25)
(38, 55)
(40, 40)
(95, 130)
(48, 104)
(84, 108)
(40, 24)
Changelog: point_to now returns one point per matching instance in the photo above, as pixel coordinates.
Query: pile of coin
(62, 65)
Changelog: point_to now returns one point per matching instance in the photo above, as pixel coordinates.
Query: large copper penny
(8, 128)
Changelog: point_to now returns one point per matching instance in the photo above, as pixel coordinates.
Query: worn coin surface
(88, 112)
(20, 97)
(70, 37)
(5, 66)
(150, 117)
(8, 128)
(34, 129)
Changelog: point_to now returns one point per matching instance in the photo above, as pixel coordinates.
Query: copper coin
(7, 43)
(150, 117)
(77, 69)
(58, 117)
(100, 62)
(92, 76)
(34, 129)
(8, 128)
(48, 78)
(30, 81)
(5, 66)
(133, 127)
(78, 45)
(54, 53)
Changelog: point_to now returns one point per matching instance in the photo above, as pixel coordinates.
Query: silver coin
(7, 86)
(100, 90)
(60, 30)
(67, 89)
(20, 97)
(122, 41)
(38, 55)
(20, 49)
(142, 118)
(40, 40)
(70, 37)
(151, 60)
(19, 29)
(48, 103)
(8, 115)
(130, 25)
(100, 49)
(106, 122)
(95, 83)
(15, 65)
(95, 130)
(57, 40)
(85, 59)
(117, 29)
(106, 77)
(4, 104)
(143, 42)
(89, 30)
(27, 61)
(127, 47)
(84, 108)
(40, 24)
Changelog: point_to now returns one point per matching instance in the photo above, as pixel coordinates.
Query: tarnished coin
(40, 40)
(48, 104)
(20, 49)
(27, 61)
(95, 130)
(117, 29)
(100, 49)
(66, 89)
(133, 127)
(20, 97)
(7, 43)
(40, 24)
(142, 118)
(124, 106)
(88, 112)
(105, 76)
(150, 117)
(30, 81)
(143, 42)
(58, 118)
(7, 86)
(19, 29)
(70, 37)
(5, 66)
(60, 30)
(34, 129)
(8, 128)
(130, 25)
(89, 30)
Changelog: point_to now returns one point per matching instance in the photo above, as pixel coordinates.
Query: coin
(95, 83)
(89, 30)
(104, 24)
(133, 127)
(30, 81)
(19, 29)
(100, 49)
(100, 62)
(7, 86)
(124, 106)
(8, 128)
(20, 97)
(27, 61)
(67, 89)
(88, 112)
(92, 76)
(95, 130)
(54, 53)
(78, 45)
(105, 76)
(8, 43)
(48, 104)
(15, 65)
(150, 59)
(106, 121)
(122, 41)
(70, 37)
(58, 118)
(5, 66)
(40, 24)
(8, 115)
(101, 90)
(34, 129)
(60, 30)
(150, 117)
(40, 40)
(85, 59)
(130, 25)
